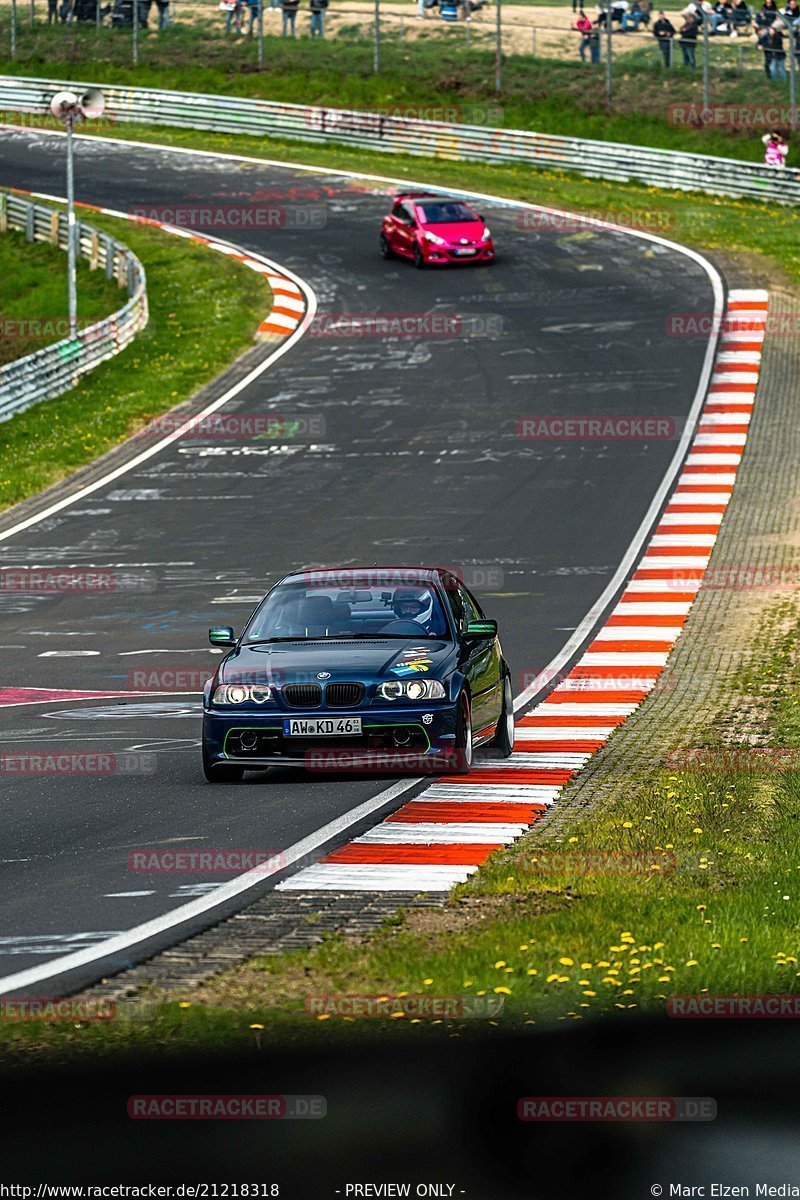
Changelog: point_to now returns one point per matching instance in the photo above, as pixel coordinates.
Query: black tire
(464, 748)
(503, 741)
(419, 261)
(386, 249)
(226, 773)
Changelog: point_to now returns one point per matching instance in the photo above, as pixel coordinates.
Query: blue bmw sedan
(362, 669)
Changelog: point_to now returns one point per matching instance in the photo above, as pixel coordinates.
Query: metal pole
(72, 291)
(376, 48)
(792, 79)
(608, 52)
(13, 29)
(97, 14)
(705, 62)
(498, 54)
(32, 13)
(261, 35)
(136, 33)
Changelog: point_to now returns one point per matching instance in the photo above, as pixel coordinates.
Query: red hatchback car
(433, 230)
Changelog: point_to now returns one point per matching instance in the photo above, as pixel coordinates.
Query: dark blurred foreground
(435, 1113)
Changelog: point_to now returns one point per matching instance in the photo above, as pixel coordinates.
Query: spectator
(766, 15)
(163, 14)
(742, 15)
(688, 41)
(253, 7)
(290, 8)
(646, 9)
(52, 12)
(233, 14)
(765, 43)
(584, 27)
(618, 10)
(632, 18)
(776, 149)
(792, 12)
(778, 54)
(318, 17)
(664, 32)
(65, 12)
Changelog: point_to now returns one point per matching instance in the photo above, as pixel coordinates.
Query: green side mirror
(482, 629)
(222, 635)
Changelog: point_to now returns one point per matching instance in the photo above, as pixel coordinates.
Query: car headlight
(434, 237)
(238, 693)
(487, 233)
(412, 689)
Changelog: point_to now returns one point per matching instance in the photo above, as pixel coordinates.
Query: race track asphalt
(415, 458)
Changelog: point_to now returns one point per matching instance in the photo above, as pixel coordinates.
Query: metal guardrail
(56, 368)
(431, 139)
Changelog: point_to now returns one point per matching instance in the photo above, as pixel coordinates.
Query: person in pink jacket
(776, 149)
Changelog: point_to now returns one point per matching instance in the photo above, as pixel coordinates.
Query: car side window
(397, 211)
(407, 214)
(471, 609)
(456, 603)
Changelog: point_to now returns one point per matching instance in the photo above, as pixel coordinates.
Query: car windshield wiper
(269, 641)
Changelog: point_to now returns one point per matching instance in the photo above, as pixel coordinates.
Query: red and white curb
(442, 836)
(289, 305)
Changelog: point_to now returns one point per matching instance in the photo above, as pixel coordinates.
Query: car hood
(357, 660)
(471, 230)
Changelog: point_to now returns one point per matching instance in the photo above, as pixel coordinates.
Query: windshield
(299, 611)
(445, 212)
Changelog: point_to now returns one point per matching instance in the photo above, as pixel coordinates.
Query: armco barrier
(56, 368)
(402, 135)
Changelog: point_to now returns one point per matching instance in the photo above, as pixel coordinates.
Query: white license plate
(464, 253)
(321, 726)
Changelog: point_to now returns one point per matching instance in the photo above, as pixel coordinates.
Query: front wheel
(503, 740)
(386, 249)
(464, 736)
(419, 261)
(223, 773)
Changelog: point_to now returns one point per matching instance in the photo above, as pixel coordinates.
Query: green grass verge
(550, 95)
(204, 311)
(34, 296)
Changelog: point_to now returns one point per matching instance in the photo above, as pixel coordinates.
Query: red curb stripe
(440, 812)
(541, 720)
(559, 746)
(541, 776)
(598, 696)
(611, 646)
(457, 854)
